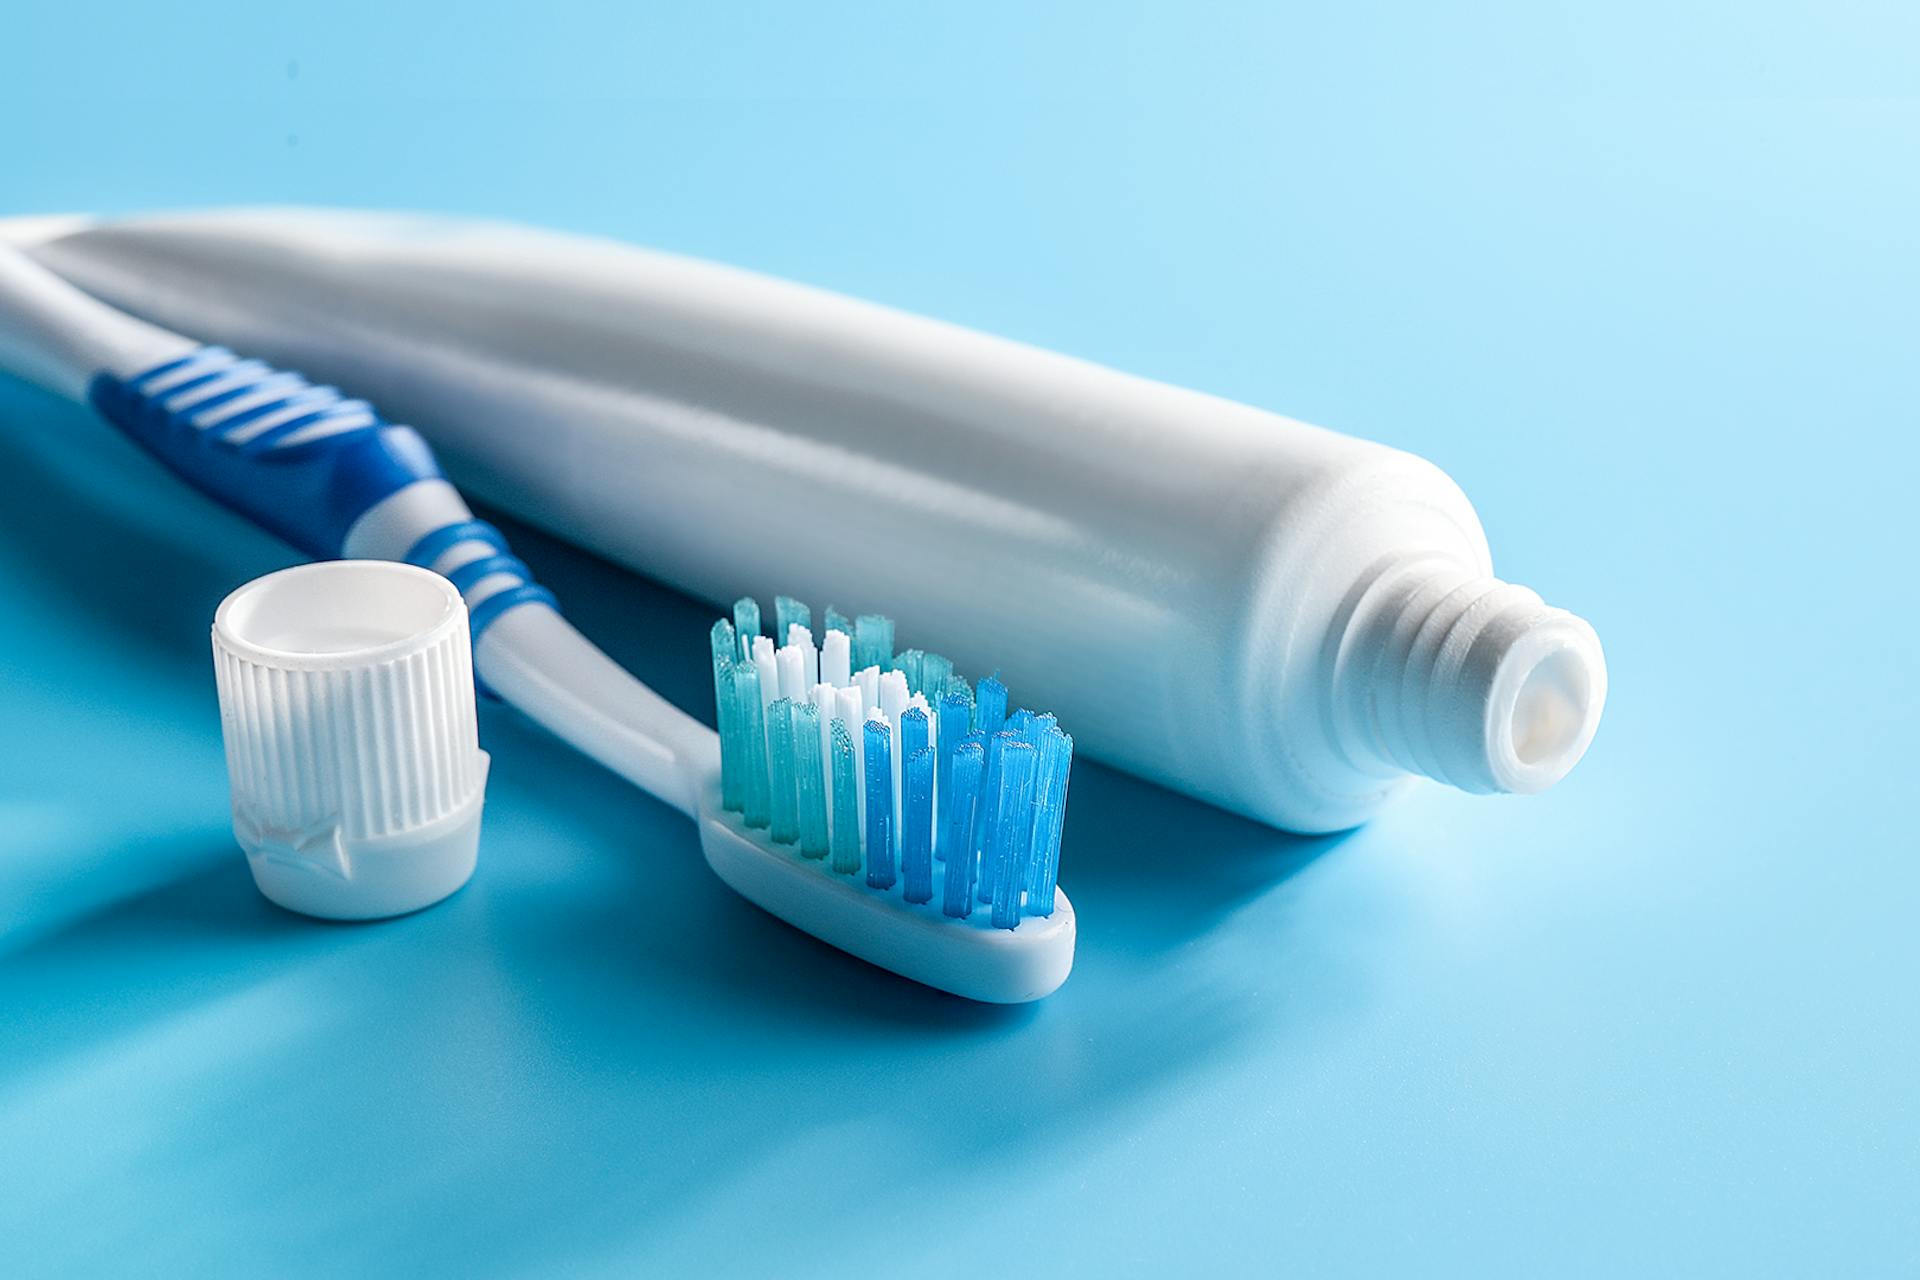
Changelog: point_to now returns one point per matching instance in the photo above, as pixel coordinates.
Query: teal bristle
(724, 714)
(810, 788)
(916, 822)
(989, 706)
(935, 672)
(969, 764)
(972, 813)
(752, 737)
(872, 642)
(1010, 832)
(784, 806)
(879, 755)
(788, 612)
(1049, 815)
(746, 621)
(846, 803)
(725, 647)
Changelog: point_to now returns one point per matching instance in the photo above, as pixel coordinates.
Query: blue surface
(1642, 278)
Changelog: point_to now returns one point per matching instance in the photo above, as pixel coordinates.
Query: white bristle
(801, 638)
(893, 695)
(852, 711)
(765, 667)
(824, 702)
(933, 722)
(836, 660)
(850, 707)
(869, 681)
(893, 701)
(793, 681)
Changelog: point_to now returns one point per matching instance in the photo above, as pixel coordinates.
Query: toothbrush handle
(538, 662)
(332, 478)
(329, 476)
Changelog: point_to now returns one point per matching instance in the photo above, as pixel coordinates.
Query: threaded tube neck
(1467, 679)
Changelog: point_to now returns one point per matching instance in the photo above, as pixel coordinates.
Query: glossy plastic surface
(1084, 530)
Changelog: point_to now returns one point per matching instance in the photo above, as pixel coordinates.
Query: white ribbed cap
(347, 704)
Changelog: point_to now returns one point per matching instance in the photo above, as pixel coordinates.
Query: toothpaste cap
(347, 706)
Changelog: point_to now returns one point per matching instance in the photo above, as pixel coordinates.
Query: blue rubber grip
(301, 461)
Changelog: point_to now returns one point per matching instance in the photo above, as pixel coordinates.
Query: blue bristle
(879, 755)
(746, 621)
(969, 764)
(754, 792)
(916, 824)
(1042, 725)
(957, 687)
(915, 731)
(784, 804)
(1020, 725)
(846, 803)
(989, 706)
(983, 822)
(788, 612)
(1049, 815)
(838, 621)
(1010, 836)
(872, 642)
(956, 722)
(810, 780)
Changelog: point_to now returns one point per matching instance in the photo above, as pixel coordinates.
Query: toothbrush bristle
(809, 780)
(746, 620)
(756, 789)
(879, 805)
(725, 650)
(916, 826)
(785, 805)
(1010, 831)
(872, 642)
(846, 807)
(788, 613)
(890, 767)
(969, 769)
(989, 706)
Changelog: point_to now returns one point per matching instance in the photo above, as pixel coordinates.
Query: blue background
(1642, 277)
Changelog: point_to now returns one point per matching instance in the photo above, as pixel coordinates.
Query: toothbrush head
(877, 801)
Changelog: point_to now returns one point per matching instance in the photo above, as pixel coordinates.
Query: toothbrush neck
(1455, 675)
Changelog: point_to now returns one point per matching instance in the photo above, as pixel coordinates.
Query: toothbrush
(973, 911)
